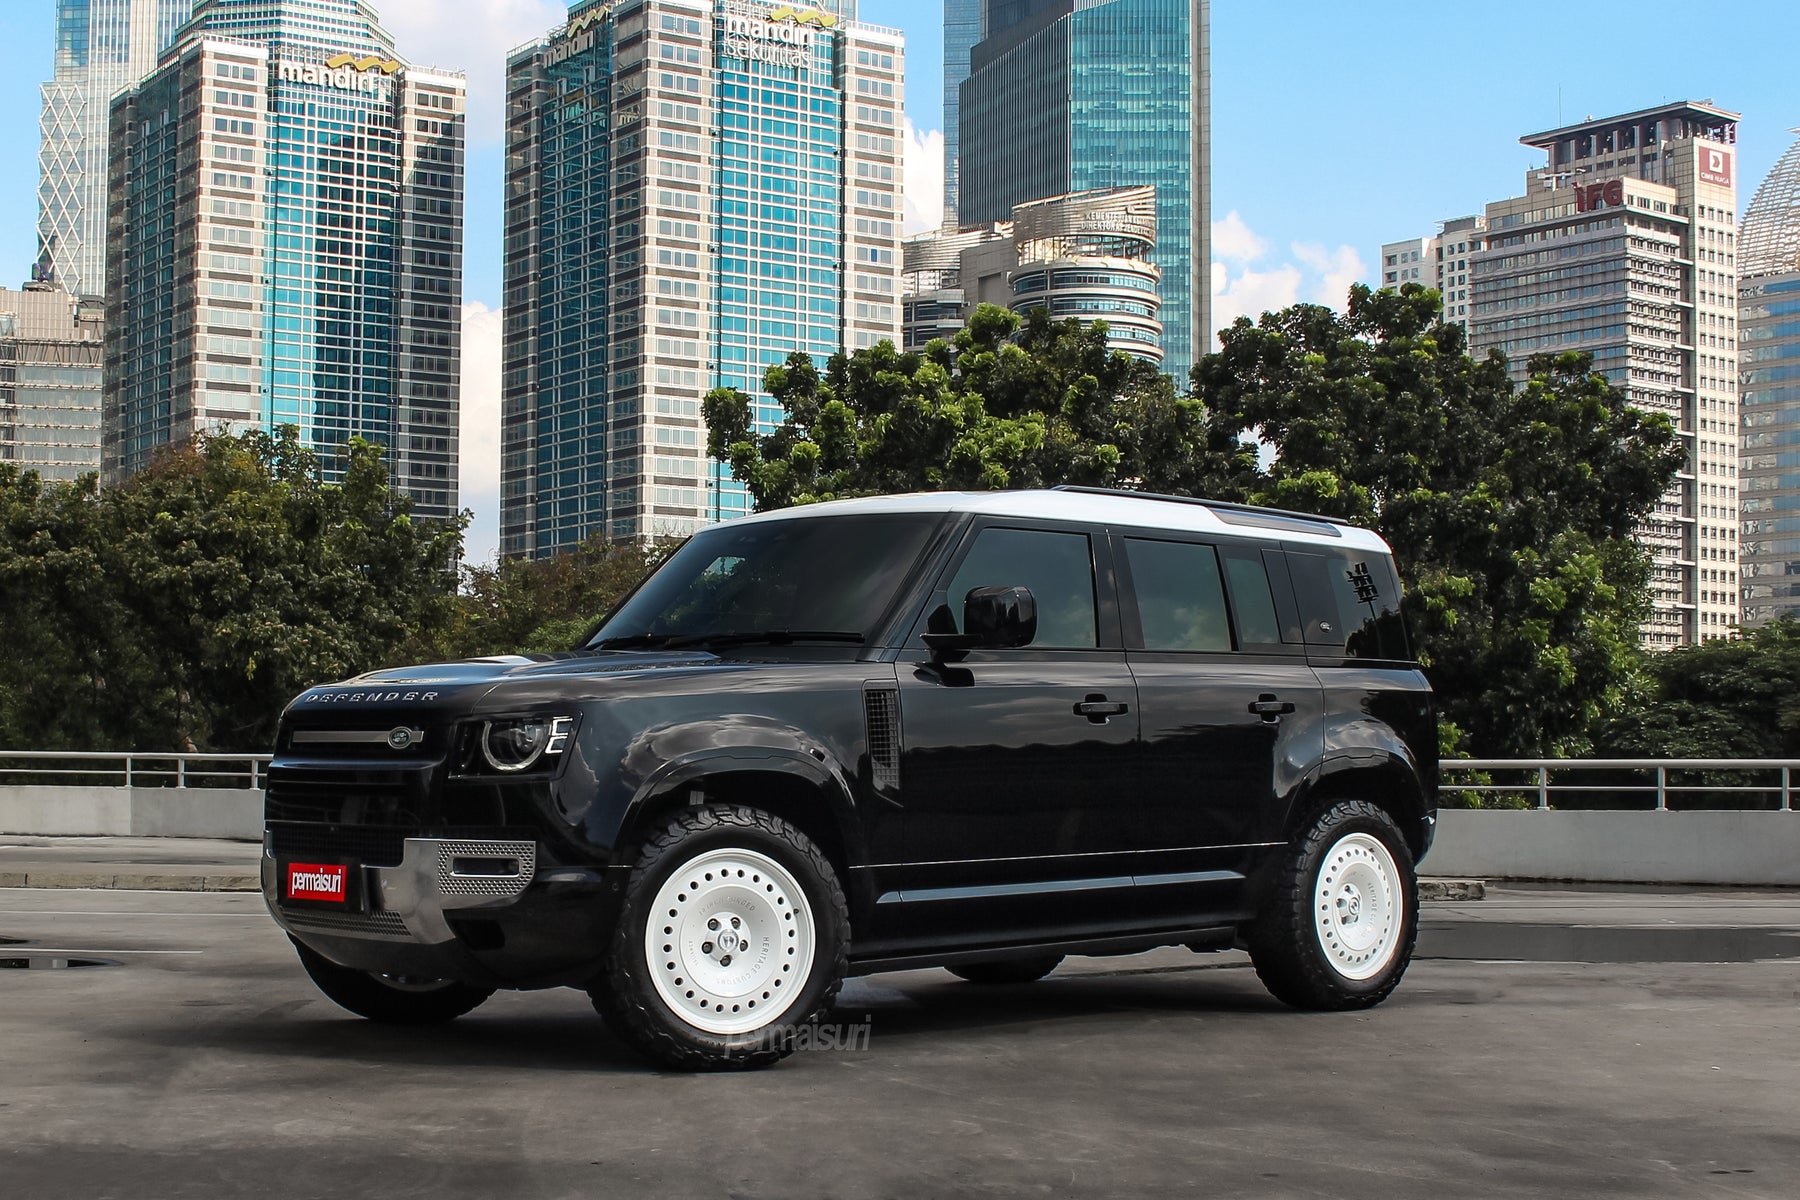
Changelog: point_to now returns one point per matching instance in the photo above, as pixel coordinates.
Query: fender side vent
(881, 716)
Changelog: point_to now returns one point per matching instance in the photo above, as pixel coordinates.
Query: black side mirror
(994, 618)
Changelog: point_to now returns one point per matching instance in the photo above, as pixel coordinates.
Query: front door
(1014, 758)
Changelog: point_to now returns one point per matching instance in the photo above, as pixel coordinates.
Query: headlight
(515, 744)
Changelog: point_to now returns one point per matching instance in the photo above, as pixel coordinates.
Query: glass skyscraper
(962, 29)
(1768, 326)
(695, 189)
(285, 242)
(101, 46)
(1079, 95)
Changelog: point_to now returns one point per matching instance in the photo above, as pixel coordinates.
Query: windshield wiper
(772, 637)
(637, 641)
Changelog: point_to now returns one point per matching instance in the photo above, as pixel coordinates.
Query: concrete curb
(1452, 889)
(217, 881)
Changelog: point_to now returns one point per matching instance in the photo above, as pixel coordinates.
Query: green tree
(1511, 510)
(1720, 699)
(537, 605)
(185, 608)
(1012, 402)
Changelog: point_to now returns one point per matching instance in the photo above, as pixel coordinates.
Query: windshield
(828, 578)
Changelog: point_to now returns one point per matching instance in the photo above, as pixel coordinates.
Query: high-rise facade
(1440, 261)
(1624, 246)
(101, 46)
(1083, 95)
(962, 29)
(695, 189)
(1085, 255)
(50, 349)
(1769, 366)
(285, 243)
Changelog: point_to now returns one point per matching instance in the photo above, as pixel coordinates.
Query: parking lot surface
(1546, 1042)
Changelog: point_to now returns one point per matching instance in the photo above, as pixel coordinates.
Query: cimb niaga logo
(1715, 166)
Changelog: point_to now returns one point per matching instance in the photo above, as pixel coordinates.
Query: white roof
(1115, 509)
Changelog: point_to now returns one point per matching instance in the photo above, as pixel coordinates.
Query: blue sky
(1336, 127)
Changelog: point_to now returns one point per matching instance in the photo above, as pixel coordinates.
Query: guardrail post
(129, 781)
(1543, 789)
(1787, 790)
(181, 772)
(1662, 789)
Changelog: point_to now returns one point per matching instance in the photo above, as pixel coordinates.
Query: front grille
(312, 791)
(369, 847)
(383, 924)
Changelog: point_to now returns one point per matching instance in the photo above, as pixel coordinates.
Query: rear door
(1230, 710)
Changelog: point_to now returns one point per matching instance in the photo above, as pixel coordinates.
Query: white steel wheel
(1358, 906)
(730, 941)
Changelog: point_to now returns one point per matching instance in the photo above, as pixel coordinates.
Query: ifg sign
(1592, 196)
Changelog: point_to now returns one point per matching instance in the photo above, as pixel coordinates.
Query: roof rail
(1218, 505)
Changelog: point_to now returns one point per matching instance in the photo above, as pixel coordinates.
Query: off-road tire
(627, 996)
(429, 1002)
(1007, 970)
(1288, 940)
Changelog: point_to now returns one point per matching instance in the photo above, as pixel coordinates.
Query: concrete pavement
(1651, 1056)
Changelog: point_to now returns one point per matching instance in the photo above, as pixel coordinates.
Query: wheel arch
(1387, 780)
(796, 788)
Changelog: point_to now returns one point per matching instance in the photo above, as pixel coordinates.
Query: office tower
(1624, 246)
(962, 29)
(1082, 95)
(101, 46)
(1086, 255)
(285, 243)
(50, 352)
(695, 189)
(1769, 392)
(1440, 261)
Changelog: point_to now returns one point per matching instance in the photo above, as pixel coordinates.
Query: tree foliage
(1511, 510)
(1011, 403)
(185, 608)
(1720, 699)
(536, 606)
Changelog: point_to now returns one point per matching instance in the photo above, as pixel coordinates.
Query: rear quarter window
(1349, 600)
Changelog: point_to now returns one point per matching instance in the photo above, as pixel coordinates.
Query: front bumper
(436, 876)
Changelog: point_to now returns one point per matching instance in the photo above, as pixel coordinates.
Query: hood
(455, 687)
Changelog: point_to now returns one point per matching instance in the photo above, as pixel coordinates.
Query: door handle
(1269, 708)
(1097, 708)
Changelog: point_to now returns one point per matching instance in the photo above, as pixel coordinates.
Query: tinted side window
(1349, 599)
(1180, 599)
(1057, 567)
(1252, 601)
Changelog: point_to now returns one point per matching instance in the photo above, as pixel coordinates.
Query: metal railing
(125, 769)
(1544, 782)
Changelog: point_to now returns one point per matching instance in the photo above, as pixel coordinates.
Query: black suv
(974, 731)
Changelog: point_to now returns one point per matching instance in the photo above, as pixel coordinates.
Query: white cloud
(479, 430)
(1336, 270)
(471, 36)
(924, 179)
(1232, 239)
(1245, 286)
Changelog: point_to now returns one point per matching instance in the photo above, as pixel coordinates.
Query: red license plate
(316, 881)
